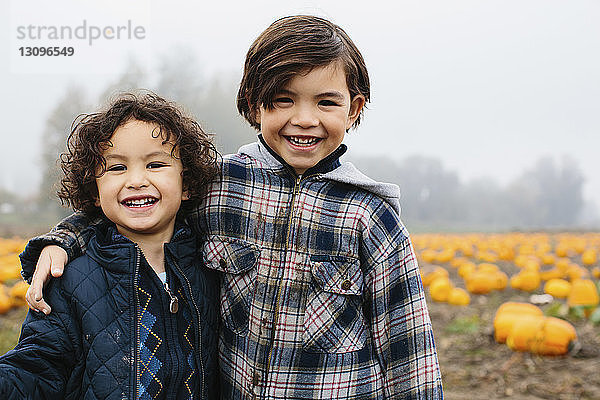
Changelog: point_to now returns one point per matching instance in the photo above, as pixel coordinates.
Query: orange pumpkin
(554, 338)
(508, 314)
(440, 288)
(5, 300)
(458, 297)
(501, 280)
(552, 273)
(523, 332)
(583, 294)
(432, 273)
(466, 269)
(526, 280)
(558, 288)
(18, 291)
(541, 335)
(9, 272)
(481, 282)
(589, 257)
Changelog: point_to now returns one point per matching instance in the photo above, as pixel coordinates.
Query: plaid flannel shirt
(321, 296)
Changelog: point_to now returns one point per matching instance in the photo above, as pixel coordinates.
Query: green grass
(10, 328)
(464, 325)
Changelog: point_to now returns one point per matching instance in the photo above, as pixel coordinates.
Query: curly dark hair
(293, 45)
(90, 135)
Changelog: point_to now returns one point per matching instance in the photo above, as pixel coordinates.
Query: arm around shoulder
(71, 234)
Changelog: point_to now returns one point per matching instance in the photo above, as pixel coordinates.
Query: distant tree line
(548, 195)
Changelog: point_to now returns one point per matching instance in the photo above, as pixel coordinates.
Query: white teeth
(140, 202)
(302, 141)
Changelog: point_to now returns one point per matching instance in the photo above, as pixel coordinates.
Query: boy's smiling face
(142, 188)
(310, 116)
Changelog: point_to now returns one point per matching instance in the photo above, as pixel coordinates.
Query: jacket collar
(329, 163)
(116, 252)
(330, 168)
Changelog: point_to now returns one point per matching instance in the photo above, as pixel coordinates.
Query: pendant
(173, 305)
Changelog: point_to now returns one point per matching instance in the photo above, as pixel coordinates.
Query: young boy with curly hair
(321, 296)
(134, 317)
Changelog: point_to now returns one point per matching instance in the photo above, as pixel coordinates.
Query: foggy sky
(488, 87)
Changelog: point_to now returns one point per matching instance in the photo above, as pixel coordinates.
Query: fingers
(34, 297)
(38, 304)
(52, 261)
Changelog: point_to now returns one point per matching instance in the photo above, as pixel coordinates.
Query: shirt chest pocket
(334, 320)
(236, 260)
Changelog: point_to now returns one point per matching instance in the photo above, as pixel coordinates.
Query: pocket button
(222, 263)
(346, 284)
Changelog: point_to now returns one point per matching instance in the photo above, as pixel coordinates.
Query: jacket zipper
(136, 322)
(279, 289)
(197, 336)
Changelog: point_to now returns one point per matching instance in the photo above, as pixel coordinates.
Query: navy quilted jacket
(87, 347)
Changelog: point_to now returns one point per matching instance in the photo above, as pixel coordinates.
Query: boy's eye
(156, 165)
(283, 100)
(328, 103)
(116, 168)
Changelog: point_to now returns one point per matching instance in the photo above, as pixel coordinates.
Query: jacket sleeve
(72, 234)
(43, 361)
(399, 321)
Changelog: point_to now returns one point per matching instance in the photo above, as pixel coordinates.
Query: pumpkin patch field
(515, 315)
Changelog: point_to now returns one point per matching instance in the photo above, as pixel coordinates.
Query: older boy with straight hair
(321, 296)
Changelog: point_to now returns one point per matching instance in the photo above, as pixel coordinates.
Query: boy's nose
(137, 179)
(304, 117)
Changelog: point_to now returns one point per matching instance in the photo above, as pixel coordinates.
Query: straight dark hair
(293, 45)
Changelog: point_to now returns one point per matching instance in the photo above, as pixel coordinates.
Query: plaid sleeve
(72, 234)
(400, 325)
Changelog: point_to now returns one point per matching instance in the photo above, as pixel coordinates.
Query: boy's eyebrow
(332, 93)
(149, 155)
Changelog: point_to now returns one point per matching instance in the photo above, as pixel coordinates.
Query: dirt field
(475, 367)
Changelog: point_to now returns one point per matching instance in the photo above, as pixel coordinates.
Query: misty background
(486, 114)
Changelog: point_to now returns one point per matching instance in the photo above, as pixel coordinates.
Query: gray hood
(345, 173)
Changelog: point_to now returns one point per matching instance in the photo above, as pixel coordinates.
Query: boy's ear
(185, 195)
(256, 116)
(356, 106)
(97, 201)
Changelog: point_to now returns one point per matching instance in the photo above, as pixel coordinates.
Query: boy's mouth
(139, 202)
(303, 141)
